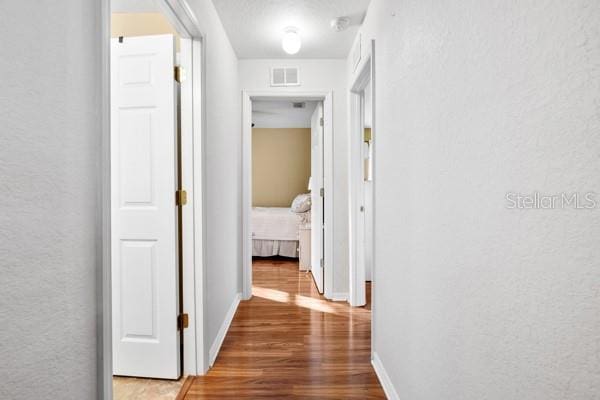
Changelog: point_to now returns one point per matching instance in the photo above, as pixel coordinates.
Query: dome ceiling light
(291, 41)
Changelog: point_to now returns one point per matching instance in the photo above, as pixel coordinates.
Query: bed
(275, 231)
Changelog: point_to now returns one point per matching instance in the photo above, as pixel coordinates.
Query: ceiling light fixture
(291, 41)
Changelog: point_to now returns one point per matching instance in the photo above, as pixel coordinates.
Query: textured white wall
(318, 75)
(222, 169)
(475, 301)
(49, 151)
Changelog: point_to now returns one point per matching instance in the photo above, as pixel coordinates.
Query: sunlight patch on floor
(271, 294)
(311, 303)
(126, 388)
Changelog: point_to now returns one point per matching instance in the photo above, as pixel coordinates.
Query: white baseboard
(384, 378)
(339, 297)
(216, 346)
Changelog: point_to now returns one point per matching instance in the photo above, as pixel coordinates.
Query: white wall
(281, 114)
(222, 170)
(49, 187)
(318, 75)
(474, 99)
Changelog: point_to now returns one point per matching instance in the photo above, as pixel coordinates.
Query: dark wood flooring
(289, 342)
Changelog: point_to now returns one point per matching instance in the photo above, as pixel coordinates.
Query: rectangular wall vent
(285, 76)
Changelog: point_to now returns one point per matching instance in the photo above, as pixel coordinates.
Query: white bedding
(274, 223)
(270, 248)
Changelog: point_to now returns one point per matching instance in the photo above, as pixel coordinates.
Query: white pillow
(301, 203)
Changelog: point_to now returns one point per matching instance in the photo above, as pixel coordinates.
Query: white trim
(357, 286)
(247, 97)
(192, 248)
(246, 196)
(384, 378)
(103, 246)
(198, 52)
(181, 17)
(339, 297)
(218, 342)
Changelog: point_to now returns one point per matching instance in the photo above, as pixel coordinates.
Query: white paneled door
(317, 196)
(144, 213)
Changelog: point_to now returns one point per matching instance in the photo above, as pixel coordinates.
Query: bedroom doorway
(362, 183)
(286, 175)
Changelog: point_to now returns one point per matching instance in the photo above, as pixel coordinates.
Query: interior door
(368, 214)
(144, 224)
(317, 196)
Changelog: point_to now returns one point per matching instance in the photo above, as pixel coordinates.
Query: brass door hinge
(179, 74)
(322, 192)
(183, 321)
(181, 197)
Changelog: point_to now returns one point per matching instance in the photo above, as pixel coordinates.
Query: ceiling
(255, 27)
(281, 114)
(133, 6)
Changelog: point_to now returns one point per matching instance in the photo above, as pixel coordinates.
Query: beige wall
(280, 165)
(141, 24)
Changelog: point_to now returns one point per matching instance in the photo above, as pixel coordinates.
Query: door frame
(327, 98)
(193, 128)
(357, 285)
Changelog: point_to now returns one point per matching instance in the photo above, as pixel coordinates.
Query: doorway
(317, 187)
(362, 183)
(155, 76)
(287, 175)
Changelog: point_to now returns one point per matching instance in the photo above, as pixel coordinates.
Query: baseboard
(339, 297)
(384, 378)
(216, 346)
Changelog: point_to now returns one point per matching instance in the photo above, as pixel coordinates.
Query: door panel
(144, 214)
(316, 154)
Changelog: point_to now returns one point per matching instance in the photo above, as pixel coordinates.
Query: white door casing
(143, 209)
(316, 157)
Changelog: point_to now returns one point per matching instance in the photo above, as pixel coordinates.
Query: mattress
(274, 223)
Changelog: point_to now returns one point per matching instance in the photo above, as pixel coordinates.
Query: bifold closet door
(144, 214)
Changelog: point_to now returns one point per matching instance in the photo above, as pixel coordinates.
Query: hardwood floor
(289, 342)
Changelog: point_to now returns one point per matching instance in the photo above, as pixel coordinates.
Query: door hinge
(322, 263)
(180, 197)
(322, 192)
(178, 74)
(321, 122)
(183, 321)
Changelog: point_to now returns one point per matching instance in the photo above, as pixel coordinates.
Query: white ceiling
(133, 6)
(281, 114)
(255, 27)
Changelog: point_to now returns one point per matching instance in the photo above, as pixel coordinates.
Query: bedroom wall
(476, 99)
(141, 24)
(222, 168)
(280, 165)
(318, 75)
(49, 198)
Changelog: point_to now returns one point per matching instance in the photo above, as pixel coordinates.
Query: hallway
(289, 342)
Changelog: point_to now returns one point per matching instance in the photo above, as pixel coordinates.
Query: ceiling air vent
(285, 76)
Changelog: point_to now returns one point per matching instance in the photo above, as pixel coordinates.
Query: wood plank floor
(289, 342)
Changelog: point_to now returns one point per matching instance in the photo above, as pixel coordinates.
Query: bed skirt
(269, 248)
